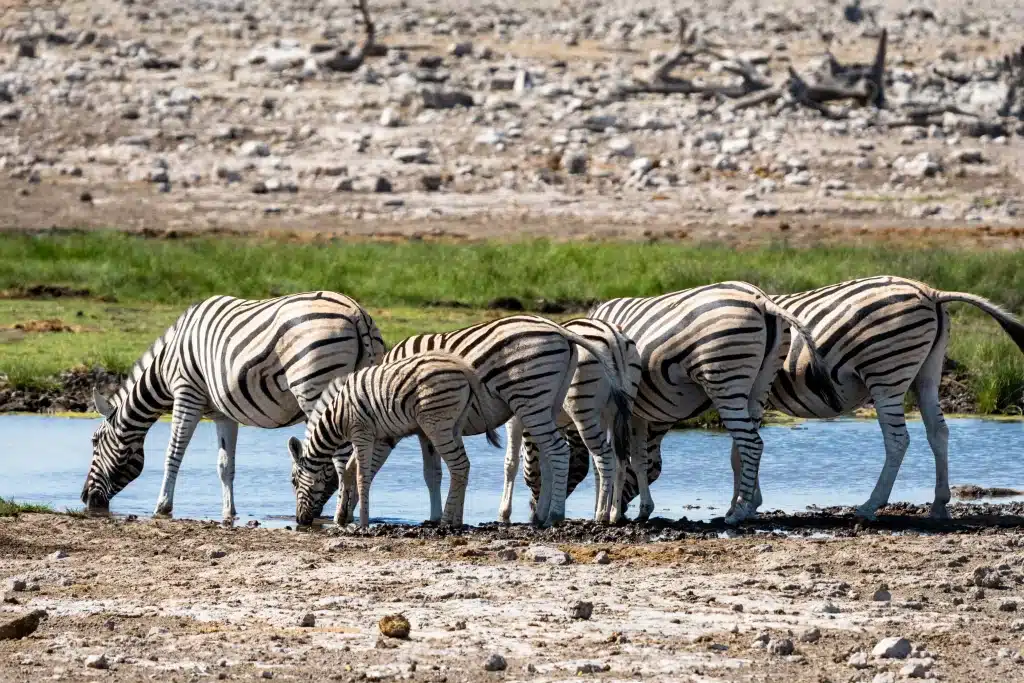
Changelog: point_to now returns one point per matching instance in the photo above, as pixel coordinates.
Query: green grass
(138, 286)
(9, 508)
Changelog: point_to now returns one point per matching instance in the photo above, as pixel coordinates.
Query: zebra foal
(426, 394)
(261, 363)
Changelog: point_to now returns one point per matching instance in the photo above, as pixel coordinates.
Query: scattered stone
(216, 553)
(97, 661)
(411, 155)
(20, 627)
(602, 557)
(858, 660)
(254, 148)
(892, 648)
(810, 635)
(574, 162)
(621, 146)
(308, 620)
(431, 182)
(969, 156)
(547, 554)
(58, 555)
(581, 609)
(1007, 605)
(445, 99)
(266, 674)
(780, 647)
(395, 626)
(884, 677)
(987, 577)
(586, 668)
(16, 585)
(827, 608)
(913, 670)
(508, 554)
(460, 49)
(495, 662)
(389, 118)
(882, 596)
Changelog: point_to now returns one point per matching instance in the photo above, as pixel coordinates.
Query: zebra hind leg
(450, 447)
(935, 425)
(227, 439)
(749, 446)
(894, 430)
(432, 476)
(514, 437)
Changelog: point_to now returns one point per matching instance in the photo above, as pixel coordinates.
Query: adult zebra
(526, 364)
(879, 337)
(262, 363)
(714, 346)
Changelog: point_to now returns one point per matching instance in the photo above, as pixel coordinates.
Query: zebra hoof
(227, 522)
(939, 511)
(163, 514)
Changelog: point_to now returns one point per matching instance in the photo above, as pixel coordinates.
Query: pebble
(389, 118)
(1008, 605)
(780, 647)
(96, 661)
(21, 626)
(828, 608)
(308, 620)
(495, 662)
(884, 677)
(16, 585)
(508, 554)
(411, 155)
(254, 148)
(581, 610)
(882, 596)
(858, 660)
(217, 553)
(575, 162)
(810, 635)
(602, 557)
(621, 146)
(892, 648)
(395, 626)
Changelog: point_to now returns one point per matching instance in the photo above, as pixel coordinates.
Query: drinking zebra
(427, 394)
(879, 336)
(262, 363)
(714, 346)
(525, 363)
(588, 406)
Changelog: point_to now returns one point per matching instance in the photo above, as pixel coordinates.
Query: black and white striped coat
(715, 346)
(261, 363)
(526, 364)
(426, 394)
(589, 407)
(879, 337)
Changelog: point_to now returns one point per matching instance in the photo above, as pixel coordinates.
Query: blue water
(44, 460)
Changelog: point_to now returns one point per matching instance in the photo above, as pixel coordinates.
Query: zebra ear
(295, 448)
(104, 406)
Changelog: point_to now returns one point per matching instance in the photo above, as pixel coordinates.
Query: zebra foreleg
(894, 431)
(514, 437)
(227, 439)
(432, 476)
(188, 410)
(736, 467)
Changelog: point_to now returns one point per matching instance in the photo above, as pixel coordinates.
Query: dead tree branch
(346, 62)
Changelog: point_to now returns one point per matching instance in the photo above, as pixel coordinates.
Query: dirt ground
(181, 600)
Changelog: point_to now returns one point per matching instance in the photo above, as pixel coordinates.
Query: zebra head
(117, 458)
(310, 482)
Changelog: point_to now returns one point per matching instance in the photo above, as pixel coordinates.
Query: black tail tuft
(621, 426)
(1015, 329)
(492, 438)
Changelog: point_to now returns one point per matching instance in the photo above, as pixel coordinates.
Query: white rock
(389, 118)
(892, 648)
(640, 165)
(969, 156)
(913, 670)
(921, 166)
(810, 635)
(621, 146)
(798, 178)
(884, 677)
(827, 608)
(411, 155)
(547, 554)
(254, 148)
(736, 146)
(96, 661)
(858, 660)
(490, 137)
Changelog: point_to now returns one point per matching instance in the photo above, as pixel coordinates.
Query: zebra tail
(1013, 326)
(619, 395)
(818, 379)
(478, 390)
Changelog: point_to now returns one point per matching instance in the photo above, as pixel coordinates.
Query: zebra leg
(432, 477)
(747, 441)
(531, 472)
(364, 476)
(514, 436)
(638, 463)
(600, 451)
(346, 500)
(935, 424)
(227, 439)
(554, 457)
(452, 450)
(894, 431)
(188, 411)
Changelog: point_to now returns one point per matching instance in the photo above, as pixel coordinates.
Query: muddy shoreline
(130, 600)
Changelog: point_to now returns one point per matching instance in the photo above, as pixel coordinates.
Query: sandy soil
(179, 600)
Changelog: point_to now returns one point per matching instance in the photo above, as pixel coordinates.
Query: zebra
(879, 336)
(589, 407)
(526, 363)
(713, 346)
(426, 394)
(255, 362)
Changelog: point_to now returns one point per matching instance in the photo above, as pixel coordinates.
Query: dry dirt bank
(189, 601)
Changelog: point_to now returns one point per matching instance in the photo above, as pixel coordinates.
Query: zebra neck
(145, 400)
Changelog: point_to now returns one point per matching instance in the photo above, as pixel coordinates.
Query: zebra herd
(604, 389)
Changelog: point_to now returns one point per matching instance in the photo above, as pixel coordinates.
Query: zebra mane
(146, 359)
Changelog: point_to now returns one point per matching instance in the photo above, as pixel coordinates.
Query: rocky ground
(475, 119)
(137, 600)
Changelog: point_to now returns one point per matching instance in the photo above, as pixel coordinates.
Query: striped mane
(146, 359)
